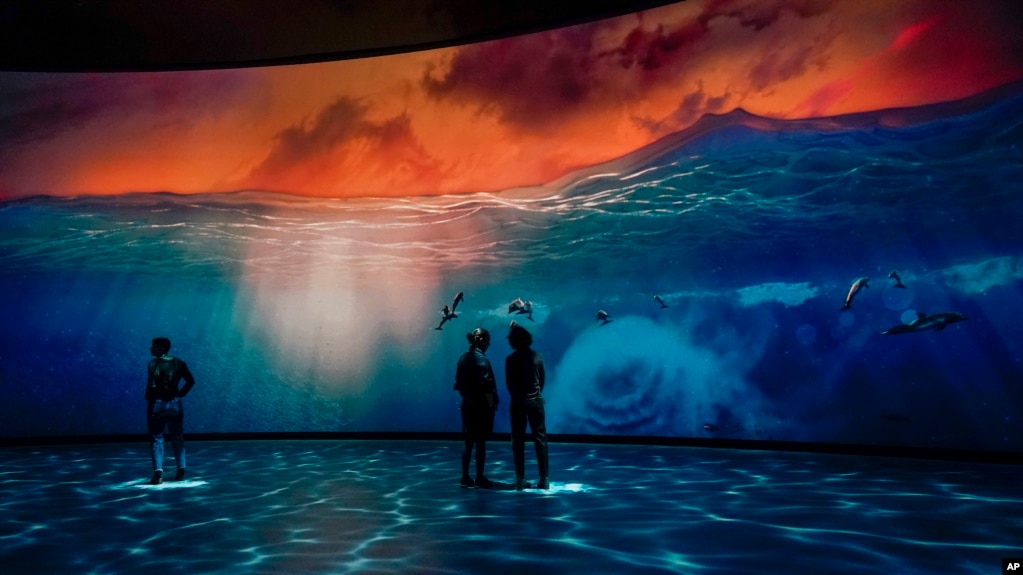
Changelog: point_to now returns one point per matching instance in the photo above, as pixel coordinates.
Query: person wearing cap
(525, 376)
(164, 411)
(474, 381)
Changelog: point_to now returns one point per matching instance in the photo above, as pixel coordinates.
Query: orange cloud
(343, 153)
(494, 115)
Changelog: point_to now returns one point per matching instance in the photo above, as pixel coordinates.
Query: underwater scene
(848, 278)
(831, 280)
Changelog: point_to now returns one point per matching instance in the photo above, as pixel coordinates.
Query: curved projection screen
(825, 195)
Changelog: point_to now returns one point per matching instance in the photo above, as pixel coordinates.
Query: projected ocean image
(848, 279)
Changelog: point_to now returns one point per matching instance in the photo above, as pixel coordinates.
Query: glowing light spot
(897, 298)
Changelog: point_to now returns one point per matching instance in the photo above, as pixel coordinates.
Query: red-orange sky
(496, 115)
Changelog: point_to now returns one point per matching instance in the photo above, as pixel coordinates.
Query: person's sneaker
(180, 475)
(157, 477)
(543, 483)
(467, 481)
(483, 482)
(521, 484)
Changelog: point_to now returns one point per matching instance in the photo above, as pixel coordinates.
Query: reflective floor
(395, 507)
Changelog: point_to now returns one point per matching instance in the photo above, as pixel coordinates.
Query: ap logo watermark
(1012, 566)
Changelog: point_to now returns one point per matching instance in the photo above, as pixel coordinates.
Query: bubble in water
(908, 316)
(806, 334)
(897, 298)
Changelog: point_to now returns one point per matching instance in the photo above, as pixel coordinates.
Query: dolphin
(516, 306)
(924, 322)
(894, 274)
(854, 289)
(448, 313)
(603, 317)
(446, 316)
(527, 309)
(658, 299)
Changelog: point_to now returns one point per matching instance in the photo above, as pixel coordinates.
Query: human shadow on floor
(500, 486)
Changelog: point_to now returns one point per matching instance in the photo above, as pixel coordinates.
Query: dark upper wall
(133, 35)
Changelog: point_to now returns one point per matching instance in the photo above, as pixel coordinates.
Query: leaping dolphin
(448, 313)
(924, 322)
(658, 299)
(894, 274)
(854, 289)
(603, 318)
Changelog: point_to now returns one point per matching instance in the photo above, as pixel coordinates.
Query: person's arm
(507, 375)
(488, 385)
(541, 372)
(189, 380)
(459, 385)
(149, 383)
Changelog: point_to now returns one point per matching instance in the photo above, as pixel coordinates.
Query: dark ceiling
(133, 35)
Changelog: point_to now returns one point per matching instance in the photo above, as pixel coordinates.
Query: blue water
(395, 507)
(302, 314)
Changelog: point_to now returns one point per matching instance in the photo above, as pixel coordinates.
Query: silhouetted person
(524, 375)
(474, 381)
(164, 411)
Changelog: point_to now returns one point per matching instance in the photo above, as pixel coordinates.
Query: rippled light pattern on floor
(372, 507)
